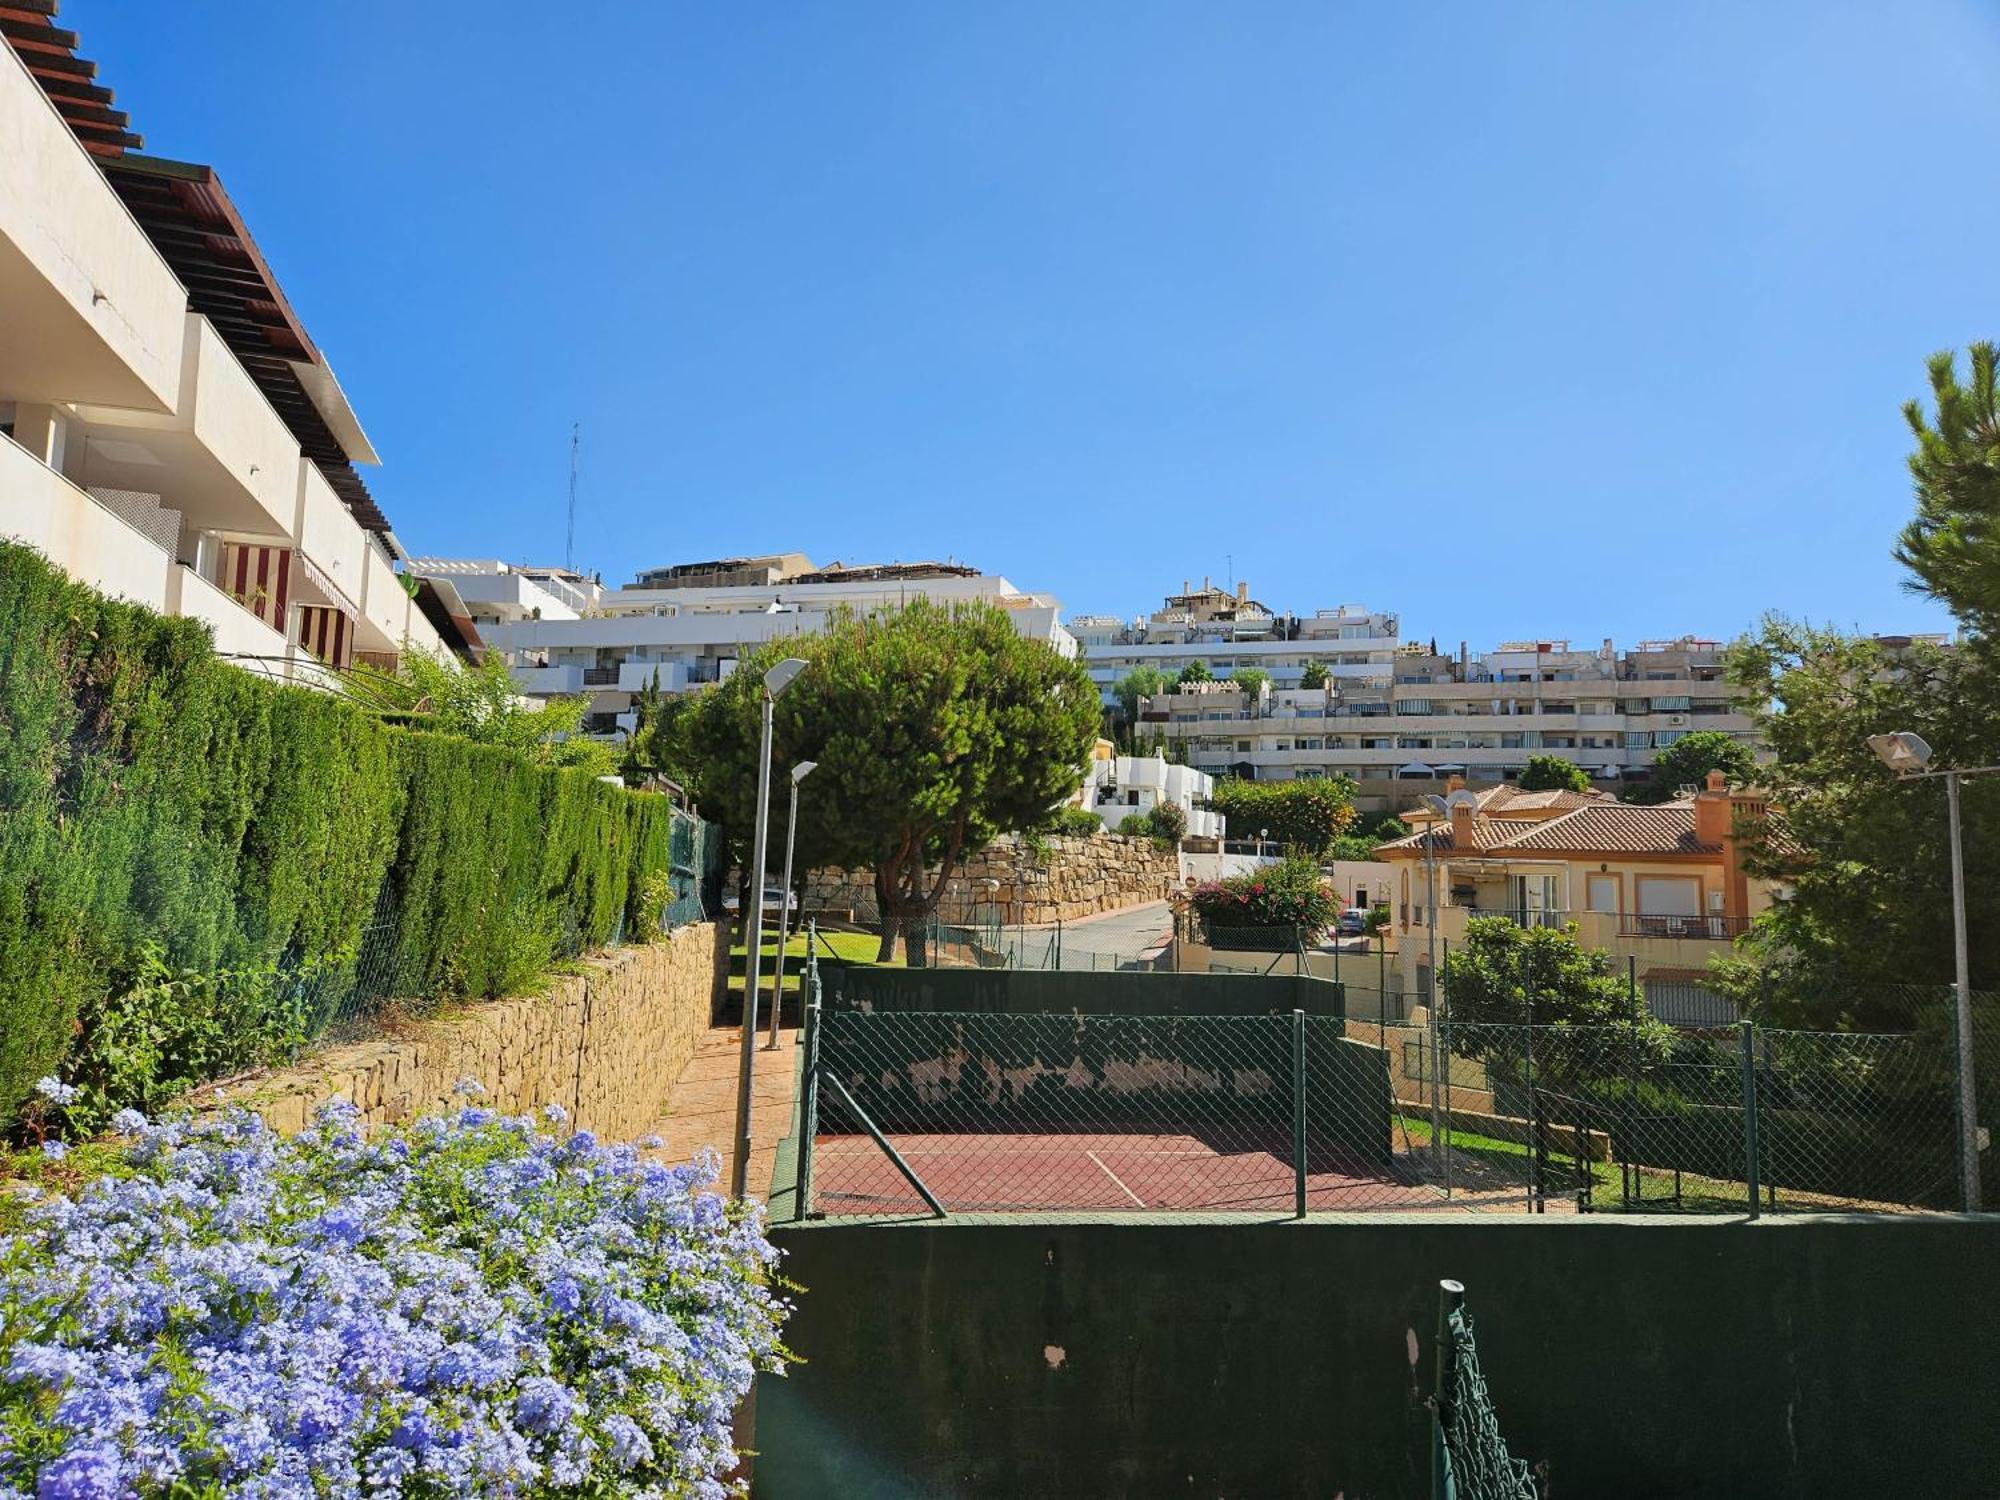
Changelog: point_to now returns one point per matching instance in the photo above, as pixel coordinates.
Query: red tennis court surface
(1158, 1173)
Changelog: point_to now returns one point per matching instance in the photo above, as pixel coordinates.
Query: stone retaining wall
(1007, 882)
(606, 1043)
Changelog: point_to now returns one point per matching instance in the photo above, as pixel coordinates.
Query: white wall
(385, 608)
(38, 506)
(329, 535)
(233, 421)
(88, 309)
(237, 631)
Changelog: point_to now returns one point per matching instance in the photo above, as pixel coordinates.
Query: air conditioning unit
(1677, 719)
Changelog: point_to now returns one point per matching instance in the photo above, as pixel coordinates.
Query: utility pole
(569, 537)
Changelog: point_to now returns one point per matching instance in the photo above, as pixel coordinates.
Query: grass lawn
(1496, 1163)
(852, 947)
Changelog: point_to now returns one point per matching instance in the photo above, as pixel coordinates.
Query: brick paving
(701, 1106)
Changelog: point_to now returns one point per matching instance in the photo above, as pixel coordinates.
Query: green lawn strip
(848, 947)
(1697, 1194)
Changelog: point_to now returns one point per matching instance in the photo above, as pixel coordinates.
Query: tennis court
(1127, 1171)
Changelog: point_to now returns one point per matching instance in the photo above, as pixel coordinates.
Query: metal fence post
(1534, 1104)
(1299, 1113)
(1443, 1061)
(809, 1085)
(1628, 1176)
(1444, 1401)
(1747, 1040)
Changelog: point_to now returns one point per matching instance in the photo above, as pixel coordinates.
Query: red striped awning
(259, 579)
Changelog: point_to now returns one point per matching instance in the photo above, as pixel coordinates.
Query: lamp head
(1902, 752)
(802, 770)
(780, 676)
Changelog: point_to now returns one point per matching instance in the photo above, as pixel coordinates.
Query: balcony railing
(600, 676)
(1709, 928)
(1519, 917)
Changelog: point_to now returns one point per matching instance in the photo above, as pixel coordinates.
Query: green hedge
(155, 798)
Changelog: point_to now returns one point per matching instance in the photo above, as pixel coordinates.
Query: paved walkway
(701, 1107)
(1113, 938)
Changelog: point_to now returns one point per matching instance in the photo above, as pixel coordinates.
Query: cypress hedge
(157, 803)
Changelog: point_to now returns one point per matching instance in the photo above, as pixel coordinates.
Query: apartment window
(1414, 706)
(1638, 739)
(1601, 893)
(1664, 737)
(1242, 744)
(1670, 705)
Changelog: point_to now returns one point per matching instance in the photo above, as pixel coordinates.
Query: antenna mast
(569, 537)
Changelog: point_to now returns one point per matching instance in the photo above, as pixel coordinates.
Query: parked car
(775, 899)
(1354, 922)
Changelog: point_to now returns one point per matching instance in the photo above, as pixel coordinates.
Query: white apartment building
(169, 432)
(1391, 713)
(1426, 718)
(1126, 785)
(1227, 630)
(689, 624)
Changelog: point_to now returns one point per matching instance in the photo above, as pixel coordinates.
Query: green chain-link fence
(1469, 1456)
(1006, 1112)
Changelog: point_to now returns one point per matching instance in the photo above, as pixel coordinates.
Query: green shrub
(1136, 826)
(1075, 823)
(1169, 822)
(164, 816)
(1307, 815)
(172, 1028)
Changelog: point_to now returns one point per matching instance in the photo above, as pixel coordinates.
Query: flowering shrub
(466, 1306)
(1287, 894)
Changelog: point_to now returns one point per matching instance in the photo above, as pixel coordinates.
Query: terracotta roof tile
(1594, 828)
(1618, 828)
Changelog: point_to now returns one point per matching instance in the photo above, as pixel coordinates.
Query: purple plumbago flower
(55, 1090)
(462, 1307)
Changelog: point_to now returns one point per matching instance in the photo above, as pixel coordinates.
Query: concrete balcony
(634, 676)
(384, 622)
(543, 682)
(1684, 943)
(224, 457)
(238, 633)
(41, 508)
(88, 309)
(330, 538)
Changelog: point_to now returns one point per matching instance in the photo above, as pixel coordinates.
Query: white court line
(1116, 1178)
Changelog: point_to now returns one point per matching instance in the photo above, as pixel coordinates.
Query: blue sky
(1521, 320)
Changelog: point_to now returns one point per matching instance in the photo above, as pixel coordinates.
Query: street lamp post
(1443, 821)
(1910, 758)
(776, 680)
(1441, 809)
(800, 772)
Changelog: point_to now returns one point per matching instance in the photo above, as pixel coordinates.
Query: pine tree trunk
(916, 938)
(885, 917)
